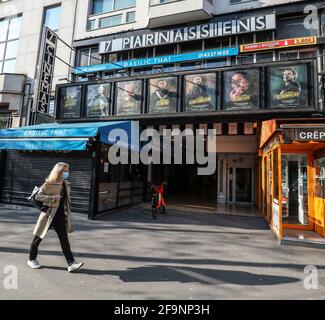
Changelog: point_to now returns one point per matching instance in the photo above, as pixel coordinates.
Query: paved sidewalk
(183, 255)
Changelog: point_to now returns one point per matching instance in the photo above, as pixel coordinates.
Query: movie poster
(163, 95)
(70, 101)
(98, 100)
(200, 92)
(242, 89)
(129, 97)
(288, 86)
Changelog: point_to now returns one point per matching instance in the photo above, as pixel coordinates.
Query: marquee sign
(46, 65)
(316, 134)
(217, 28)
(277, 44)
(200, 55)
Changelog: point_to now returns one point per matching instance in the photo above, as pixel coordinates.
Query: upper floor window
(103, 6)
(9, 40)
(88, 57)
(293, 27)
(52, 17)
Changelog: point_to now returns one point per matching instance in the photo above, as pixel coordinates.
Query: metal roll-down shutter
(24, 170)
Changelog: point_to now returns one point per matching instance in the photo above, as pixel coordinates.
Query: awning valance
(65, 137)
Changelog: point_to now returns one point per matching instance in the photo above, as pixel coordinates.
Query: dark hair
(243, 73)
(290, 69)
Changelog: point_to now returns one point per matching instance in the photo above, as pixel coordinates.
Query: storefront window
(295, 189)
(163, 95)
(241, 89)
(200, 92)
(98, 100)
(191, 46)
(219, 63)
(70, 101)
(245, 59)
(320, 178)
(108, 182)
(128, 97)
(275, 174)
(289, 86)
(191, 65)
(264, 36)
(293, 28)
(264, 57)
(215, 43)
(246, 38)
(166, 50)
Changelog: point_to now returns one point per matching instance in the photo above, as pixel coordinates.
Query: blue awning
(65, 137)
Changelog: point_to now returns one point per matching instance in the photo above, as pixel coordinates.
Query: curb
(302, 243)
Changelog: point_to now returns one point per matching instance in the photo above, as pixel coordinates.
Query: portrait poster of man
(70, 100)
(129, 97)
(200, 92)
(163, 95)
(288, 86)
(98, 100)
(242, 89)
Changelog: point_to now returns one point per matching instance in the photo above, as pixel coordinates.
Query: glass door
(240, 185)
(295, 189)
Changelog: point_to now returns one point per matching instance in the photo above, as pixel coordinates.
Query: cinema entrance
(232, 183)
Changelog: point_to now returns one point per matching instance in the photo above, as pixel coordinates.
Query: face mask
(65, 175)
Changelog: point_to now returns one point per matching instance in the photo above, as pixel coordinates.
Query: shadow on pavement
(165, 260)
(188, 275)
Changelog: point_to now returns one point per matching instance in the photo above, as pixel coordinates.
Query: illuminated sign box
(140, 63)
(277, 44)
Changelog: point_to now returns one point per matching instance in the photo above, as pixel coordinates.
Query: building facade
(21, 26)
(250, 70)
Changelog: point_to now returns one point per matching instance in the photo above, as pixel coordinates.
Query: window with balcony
(104, 6)
(9, 40)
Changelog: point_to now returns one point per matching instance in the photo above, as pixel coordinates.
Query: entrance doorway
(295, 189)
(240, 183)
(236, 179)
(184, 185)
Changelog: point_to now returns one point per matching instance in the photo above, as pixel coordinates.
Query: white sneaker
(75, 266)
(34, 264)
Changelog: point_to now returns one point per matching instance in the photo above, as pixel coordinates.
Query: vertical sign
(46, 69)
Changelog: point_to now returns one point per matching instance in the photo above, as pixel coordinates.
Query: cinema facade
(254, 79)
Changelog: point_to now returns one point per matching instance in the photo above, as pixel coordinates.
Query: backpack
(37, 204)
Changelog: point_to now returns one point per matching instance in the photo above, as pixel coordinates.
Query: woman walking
(56, 214)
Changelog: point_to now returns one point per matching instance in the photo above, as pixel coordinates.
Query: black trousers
(59, 226)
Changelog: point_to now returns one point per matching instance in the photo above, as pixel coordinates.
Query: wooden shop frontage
(292, 177)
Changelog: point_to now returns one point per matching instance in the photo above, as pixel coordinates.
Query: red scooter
(158, 201)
